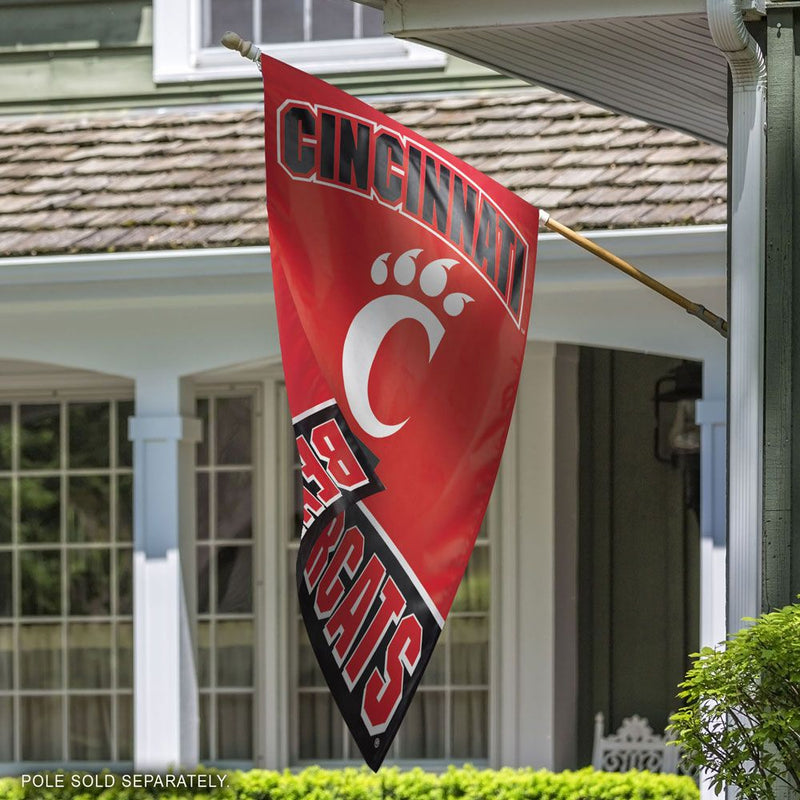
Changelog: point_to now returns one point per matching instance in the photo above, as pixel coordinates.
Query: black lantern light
(676, 438)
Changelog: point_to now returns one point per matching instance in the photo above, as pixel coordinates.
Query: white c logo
(366, 333)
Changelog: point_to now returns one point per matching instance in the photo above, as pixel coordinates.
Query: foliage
(741, 718)
(466, 783)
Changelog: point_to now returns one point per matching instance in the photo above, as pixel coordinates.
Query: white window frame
(252, 389)
(63, 387)
(178, 56)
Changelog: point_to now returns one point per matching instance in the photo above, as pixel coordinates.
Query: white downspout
(746, 198)
(746, 314)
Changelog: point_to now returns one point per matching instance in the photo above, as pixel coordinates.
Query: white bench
(635, 746)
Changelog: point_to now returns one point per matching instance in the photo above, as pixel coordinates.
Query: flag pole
(247, 49)
(695, 309)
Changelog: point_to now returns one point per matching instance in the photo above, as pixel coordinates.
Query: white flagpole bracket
(247, 49)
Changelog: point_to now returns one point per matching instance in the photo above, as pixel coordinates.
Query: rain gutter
(746, 198)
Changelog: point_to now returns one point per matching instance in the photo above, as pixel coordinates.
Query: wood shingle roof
(184, 178)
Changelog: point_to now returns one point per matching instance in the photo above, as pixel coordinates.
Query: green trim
(77, 77)
(82, 82)
(781, 525)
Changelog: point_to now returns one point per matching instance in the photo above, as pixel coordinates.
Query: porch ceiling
(650, 59)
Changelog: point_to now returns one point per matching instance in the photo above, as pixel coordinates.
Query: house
(146, 470)
(699, 66)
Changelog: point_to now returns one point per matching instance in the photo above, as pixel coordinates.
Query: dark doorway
(639, 551)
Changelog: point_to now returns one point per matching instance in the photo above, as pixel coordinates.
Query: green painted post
(781, 533)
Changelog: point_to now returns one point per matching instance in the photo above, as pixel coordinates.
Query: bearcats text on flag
(403, 281)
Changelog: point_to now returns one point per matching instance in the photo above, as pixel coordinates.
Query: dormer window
(319, 36)
(290, 21)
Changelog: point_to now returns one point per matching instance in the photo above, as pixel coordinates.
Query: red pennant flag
(403, 283)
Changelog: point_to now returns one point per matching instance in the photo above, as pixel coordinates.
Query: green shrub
(391, 784)
(741, 714)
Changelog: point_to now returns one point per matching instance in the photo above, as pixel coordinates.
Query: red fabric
(349, 192)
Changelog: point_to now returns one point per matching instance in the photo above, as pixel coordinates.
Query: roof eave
(417, 15)
(651, 59)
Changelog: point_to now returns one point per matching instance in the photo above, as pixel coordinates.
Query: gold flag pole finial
(695, 309)
(247, 49)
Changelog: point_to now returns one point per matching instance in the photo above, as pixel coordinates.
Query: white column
(711, 417)
(165, 677)
(535, 612)
(746, 201)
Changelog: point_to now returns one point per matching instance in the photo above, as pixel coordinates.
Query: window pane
(319, 726)
(235, 726)
(125, 655)
(89, 655)
(436, 671)
(203, 579)
(89, 582)
(73, 660)
(125, 581)
(5, 437)
(7, 729)
(88, 512)
(203, 532)
(40, 578)
(39, 436)
(422, 731)
(473, 593)
(308, 671)
(332, 19)
(5, 510)
(6, 658)
(469, 642)
(234, 580)
(39, 510)
(41, 728)
(125, 727)
(40, 656)
(205, 727)
(353, 751)
(6, 584)
(235, 653)
(90, 728)
(281, 21)
(88, 434)
(229, 15)
(124, 444)
(125, 508)
(204, 654)
(202, 445)
(297, 518)
(470, 714)
(234, 429)
(234, 505)
(371, 22)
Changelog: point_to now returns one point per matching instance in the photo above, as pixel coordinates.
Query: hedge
(314, 783)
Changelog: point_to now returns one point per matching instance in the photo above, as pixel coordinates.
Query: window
(289, 21)
(225, 543)
(448, 719)
(319, 36)
(66, 656)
